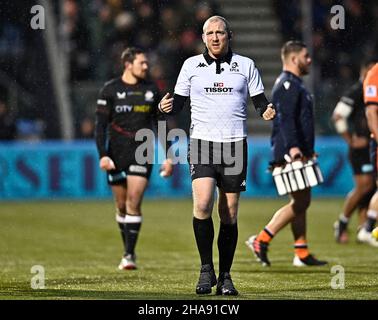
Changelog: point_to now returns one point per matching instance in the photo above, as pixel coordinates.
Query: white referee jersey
(219, 101)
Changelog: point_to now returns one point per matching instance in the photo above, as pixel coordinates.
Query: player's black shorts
(360, 161)
(126, 164)
(226, 162)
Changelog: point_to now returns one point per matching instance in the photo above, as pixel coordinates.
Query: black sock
(123, 235)
(204, 234)
(370, 224)
(343, 226)
(131, 232)
(227, 240)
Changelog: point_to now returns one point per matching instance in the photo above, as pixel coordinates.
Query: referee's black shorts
(226, 162)
(126, 164)
(360, 161)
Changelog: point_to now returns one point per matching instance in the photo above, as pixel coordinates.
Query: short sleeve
(182, 87)
(255, 85)
(370, 86)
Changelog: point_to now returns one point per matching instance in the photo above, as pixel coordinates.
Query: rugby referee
(218, 83)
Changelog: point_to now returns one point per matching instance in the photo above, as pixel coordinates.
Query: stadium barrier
(61, 170)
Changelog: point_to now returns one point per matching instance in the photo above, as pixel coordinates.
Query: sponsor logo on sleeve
(101, 102)
(370, 91)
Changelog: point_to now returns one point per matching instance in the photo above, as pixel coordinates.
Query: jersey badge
(371, 91)
(234, 67)
(121, 95)
(149, 96)
(286, 85)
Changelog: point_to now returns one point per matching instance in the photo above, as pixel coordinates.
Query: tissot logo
(201, 65)
(218, 88)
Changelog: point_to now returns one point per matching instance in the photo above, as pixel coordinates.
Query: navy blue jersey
(293, 125)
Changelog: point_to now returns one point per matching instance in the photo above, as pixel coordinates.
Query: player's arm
(101, 126)
(371, 101)
(287, 100)
(372, 119)
(265, 109)
(340, 116)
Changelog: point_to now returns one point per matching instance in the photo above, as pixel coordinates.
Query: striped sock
(132, 228)
(301, 249)
(265, 235)
(121, 224)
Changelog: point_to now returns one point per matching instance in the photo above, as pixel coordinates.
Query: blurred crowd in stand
(94, 33)
(337, 53)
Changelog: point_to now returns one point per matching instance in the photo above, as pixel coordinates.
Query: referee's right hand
(269, 113)
(166, 104)
(106, 164)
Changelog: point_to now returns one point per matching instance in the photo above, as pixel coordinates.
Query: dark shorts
(126, 165)
(360, 161)
(225, 162)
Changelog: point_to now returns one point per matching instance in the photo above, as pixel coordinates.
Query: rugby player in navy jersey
(292, 135)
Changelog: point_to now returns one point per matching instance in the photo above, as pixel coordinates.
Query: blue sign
(60, 170)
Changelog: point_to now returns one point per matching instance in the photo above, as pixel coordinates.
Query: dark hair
(129, 54)
(292, 46)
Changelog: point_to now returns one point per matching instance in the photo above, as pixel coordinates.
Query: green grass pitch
(79, 246)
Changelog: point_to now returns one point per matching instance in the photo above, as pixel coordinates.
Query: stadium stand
(93, 33)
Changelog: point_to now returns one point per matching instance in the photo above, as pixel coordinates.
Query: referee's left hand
(269, 113)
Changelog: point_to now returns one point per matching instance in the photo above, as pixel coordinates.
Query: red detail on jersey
(129, 134)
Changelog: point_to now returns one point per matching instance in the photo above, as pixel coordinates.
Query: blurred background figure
(86, 130)
(7, 123)
(350, 122)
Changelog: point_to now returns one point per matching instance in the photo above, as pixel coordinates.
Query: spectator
(86, 130)
(77, 44)
(7, 124)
